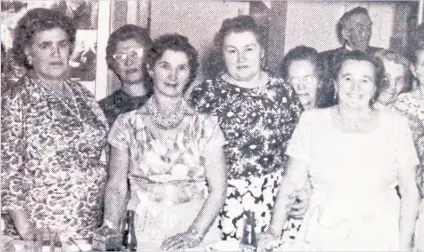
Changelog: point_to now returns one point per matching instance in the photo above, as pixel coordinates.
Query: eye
(44, 45)
(63, 44)
(249, 49)
(183, 67)
(231, 51)
(164, 65)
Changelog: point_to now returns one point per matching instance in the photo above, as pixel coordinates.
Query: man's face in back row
(357, 31)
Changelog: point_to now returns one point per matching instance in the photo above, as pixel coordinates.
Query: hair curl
(173, 42)
(38, 20)
(399, 59)
(361, 56)
(123, 33)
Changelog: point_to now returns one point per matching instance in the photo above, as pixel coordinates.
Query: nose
(55, 51)
(355, 86)
(173, 75)
(129, 61)
(241, 57)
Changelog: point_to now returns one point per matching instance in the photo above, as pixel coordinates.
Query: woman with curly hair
(53, 136)
(257, 113)
(172, 155)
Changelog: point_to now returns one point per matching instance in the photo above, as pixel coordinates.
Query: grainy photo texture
(212, 125)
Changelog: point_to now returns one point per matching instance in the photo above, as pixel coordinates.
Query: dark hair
(239, 24)
(341, 24)
(3, 57)
(173, 42)
(399, 59)
(38, 20)
(416, 43)
(362, 56)
(123, 33)
(297, 54)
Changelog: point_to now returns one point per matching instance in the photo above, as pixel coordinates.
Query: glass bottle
(129, 239)
(248, 241)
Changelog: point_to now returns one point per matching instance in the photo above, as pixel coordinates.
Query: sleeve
(300, 143)
(291, 101)
(13, 146)
(407, 154)
(204, 98)
(120, 133)
(214, 143)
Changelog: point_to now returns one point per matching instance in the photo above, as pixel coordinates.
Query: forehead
(127, 44)
(174, 57)
(392, 67)
(50, 35)
(359, 18)
(298, 67)
(240, 39)
(357, 67)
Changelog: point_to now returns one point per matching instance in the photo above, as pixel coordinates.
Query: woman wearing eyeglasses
(124, 55)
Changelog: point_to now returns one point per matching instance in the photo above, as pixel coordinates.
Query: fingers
(173, 243)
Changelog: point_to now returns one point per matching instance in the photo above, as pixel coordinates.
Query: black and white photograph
(212, 125)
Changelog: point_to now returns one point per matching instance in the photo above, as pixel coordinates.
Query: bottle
(248, 241)
(129, 239)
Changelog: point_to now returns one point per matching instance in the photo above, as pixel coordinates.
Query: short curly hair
(362, 56)
(38, 20)
(123, 33)
(178, 43)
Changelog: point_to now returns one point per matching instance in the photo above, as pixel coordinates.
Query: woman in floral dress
(172, 155)
(257, 113)
(53, 136)
(411, 105)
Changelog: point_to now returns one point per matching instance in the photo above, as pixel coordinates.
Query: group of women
(192, 168)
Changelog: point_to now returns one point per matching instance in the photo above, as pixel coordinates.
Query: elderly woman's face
(242, 55)
(49, 53)
(356, 83)
(129, 61)
(394, 82)
(302, 76)
(358, 31)
(170, 73)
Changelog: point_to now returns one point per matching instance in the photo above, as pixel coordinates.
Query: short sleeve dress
(167, 176)
(354, 204)
(257, 124)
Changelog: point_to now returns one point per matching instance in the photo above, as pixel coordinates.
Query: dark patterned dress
(257, 124)
(120, 102)
(53, 157)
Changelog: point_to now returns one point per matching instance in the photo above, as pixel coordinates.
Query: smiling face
(171, 73)
(242, 55)
(356, 84)
(302, 76)
(49, 54)
(394, 82)
(129, 61)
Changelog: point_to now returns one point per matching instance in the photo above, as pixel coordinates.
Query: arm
(116, 186)
(295, 178)
(216, 176)
(13, 145)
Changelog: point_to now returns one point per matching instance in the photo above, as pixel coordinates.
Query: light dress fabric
(167, 178)
(354, 206)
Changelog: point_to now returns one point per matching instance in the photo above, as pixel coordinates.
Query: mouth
(355, 96)
(58, 63)
(242, 67)
(131, 71)
(171, 84)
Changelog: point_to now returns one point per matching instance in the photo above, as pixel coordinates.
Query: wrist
(193, 231)
(273, 232)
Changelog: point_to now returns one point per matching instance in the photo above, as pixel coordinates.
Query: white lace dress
(354, 205)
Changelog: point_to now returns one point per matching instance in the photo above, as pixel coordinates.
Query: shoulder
(373, 49)
(24, 87)
(110, 99)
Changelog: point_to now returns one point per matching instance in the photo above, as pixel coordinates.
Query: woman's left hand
(181, 241)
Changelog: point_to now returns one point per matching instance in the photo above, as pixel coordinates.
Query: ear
(345, 34)
(149, 70)
(27, 52)
(413, 70)
(262, 53)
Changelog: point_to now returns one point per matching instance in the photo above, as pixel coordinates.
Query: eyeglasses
(308, 80)
(399, 81)
(133, 54)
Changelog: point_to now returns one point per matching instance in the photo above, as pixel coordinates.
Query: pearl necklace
(165, 120)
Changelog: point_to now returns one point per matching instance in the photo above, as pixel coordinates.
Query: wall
(313, 23)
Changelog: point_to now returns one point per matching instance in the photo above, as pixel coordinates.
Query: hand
(267, 241)
(181, 241)
(300, 199)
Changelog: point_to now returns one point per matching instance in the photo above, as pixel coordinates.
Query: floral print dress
(257, 124)
(52, 162)
(167, 175)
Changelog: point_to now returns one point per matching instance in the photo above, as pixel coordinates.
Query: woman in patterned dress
(53, 136)
(172, 155)
(411, 105)
(257, 113)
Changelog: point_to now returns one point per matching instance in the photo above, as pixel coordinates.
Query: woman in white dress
(172, 155)
(354, 157)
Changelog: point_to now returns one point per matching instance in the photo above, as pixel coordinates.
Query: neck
(353, 113)
(54, 85)
(135, 90)
(166, 104)
(254, 82)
